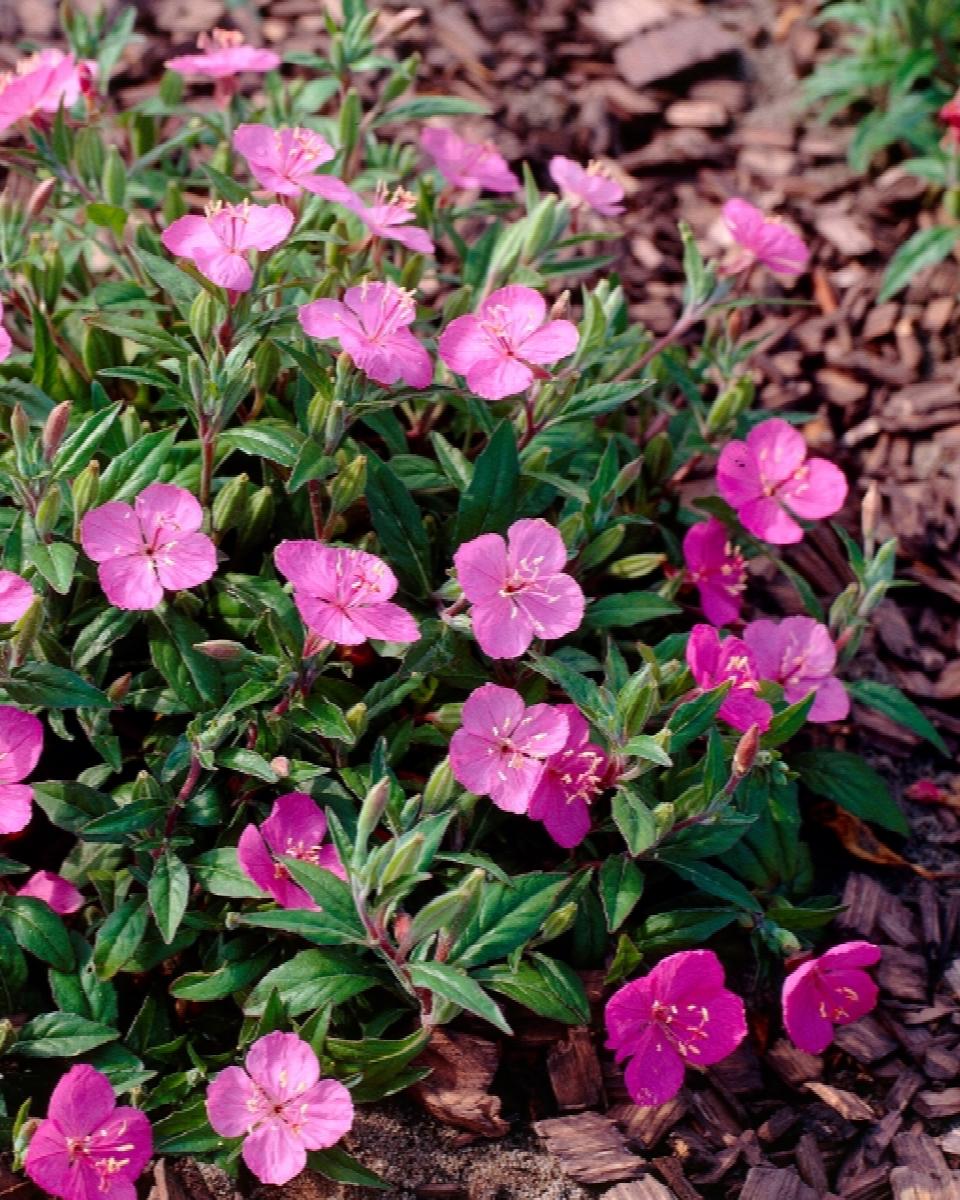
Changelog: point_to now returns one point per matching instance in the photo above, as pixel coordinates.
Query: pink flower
(571, 778)
(21, 743)
(799, 653)
(717, 568)
(41, 84)
(770, 481)
(679, 1014)
(764, 240)
(343, 594)
(468, 164)
(833, 989)
(16, 596)
(518, 588)
(87, 1148)
(285, 161)
(501, 746)
(713, 663)
(54, 891)
(371, 326)
(219, 242)
(152, 546)
(588, 187)
(295, 828)
(224, 55)
(6, 341)
(502, 347)
(950, 116)
(280, 1106)
(390, 217)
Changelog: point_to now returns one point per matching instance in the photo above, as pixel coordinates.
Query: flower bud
(89, 154)
(746, 753)
(173, 205)
(48, 510)
(440, 788)
(230, 503)
(559, 921)
(657, 456)
(20, 431)
(100, 349)
(446, 718)
(317, 412)
(114, 178)
(118, 691)
(349, 484)
(222, 650)
(350, 116)
(258, 518)
(145, 787)
(540, 227)
(412, 272)
(54, 430)
(560, 310)
(27, 629)
(85, 490)
(39, 198)
(870, 514)
(130, 426)
(356, 718)
(171, 88)
(664, 816)
(636, 566)
(730, 404)
(203, 317)
(266, 366)
(280, 766)
(404, 861)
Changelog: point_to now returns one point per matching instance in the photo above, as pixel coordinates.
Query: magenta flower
(87, 1148)
(154, 545)
(717, 568)
(518, 588)
(501, 746)
(502, 347)
(570, 780)
(54, 891)
(587, 187)
(21, 743)
(41, 84)
(6, 341)
(468, 164)
(219, 242)
(764, 240)
(799, 653)
(390, 216)
(770, 481)
(833, 989)
(280, 1106)
(344, 595)
(285, 161)
(950, 116)
(16, 596)
(371, 325)
(713, 663)
(223, 55)
(295, 828)
(679, 1014)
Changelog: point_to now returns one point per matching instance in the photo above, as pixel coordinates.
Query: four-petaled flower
(219, 242)
(764, 240)
(285, 161)
(713, 662)
(280, 1106)
(678, 1015)
(518, 587)
(154, 545)
(718, 569)
(295, 828)
(571, 778)
(344, 595)
(87, 1148)
(770, 481)
(502, 347)
(41, 84)
(16, 595)
(587, 187)
(223, 55)
(468, 164)
(501, 746)
(371, 325)
(390, 216)
(55, 891)
(799, 653)
(21, 743)
(833, 989)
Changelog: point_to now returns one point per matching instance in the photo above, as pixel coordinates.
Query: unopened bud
(145, 787)
(373, 807)
(230, 503)
(222, 650)
(171, 88)
(85, 489)
(203, 317)
(658, 456)
(560, 310)
(118, 691)
(730, 404)
(440, 788)
(446, 718)
(636, 566)
(258, 517)
(540, 226)
(349, 484)
(39, 198)
(356, 718)
(130, 426)
(404, 860)
(559, 921)
(54, 430)
(350, 116)
(27, 629)
(746, 752)
(280, 766)
(89, 154)
(317, 412)
(20, 428)
(174, 206)
(870, 514)
(114, 178)
(48, 510)
(266, 363)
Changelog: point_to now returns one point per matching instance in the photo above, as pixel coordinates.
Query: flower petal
(273, 1154)
(481, 566)
(283, 1065)
(131, 583)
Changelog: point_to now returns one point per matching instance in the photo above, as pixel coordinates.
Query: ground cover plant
(364, 670)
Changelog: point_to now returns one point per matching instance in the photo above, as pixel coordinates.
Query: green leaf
(399, 525)
(894, 704)
(206, 986)
(925, 248)
(621, 886)
(80, 447)
(187, 1131)
(314, 978)
(634, 820)
(119, 937)
(489, 503)
(194, 678)
(683, 928)
(130, 472)
(507, 918)
(98, 635)
(712, 881)
(583, 692)
(430, 106)
(71, 805)
(695, 717)
(648, 748)
(331, 894)
(849, 782)
(45, 685)
(55, 562)
(178, 285)
(168, 893)
(108, 216)
(787, 723)
(628, 608)
(275, 441)
(61, 1035)
(39, 931)
(341, 1167)
(219, 873)
(451, 983)
(547, 987)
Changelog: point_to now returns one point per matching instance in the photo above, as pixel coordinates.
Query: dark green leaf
(894, 704)
(399, 526)
(489, 503)
(61, 1035)
(848, 781)
(628, 608)
(451, 983)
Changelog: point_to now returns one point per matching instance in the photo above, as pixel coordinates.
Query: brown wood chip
(684, 43)
(647, 1126)
(646, 1188)
(590, 1148)
(848, 1105)
(574, 1071)
(456, 1091)
(768, 1183)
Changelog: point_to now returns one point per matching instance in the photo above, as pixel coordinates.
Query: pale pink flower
(501, 746)
(344, 595)
(518, 587)
(53, 890)
(41, 84)
(588, 187)
(390, 217)
(285, 161)
(371, 325)
(502, 347)
(717, 568)
(16, 596)
(571, 779)
(799, 653)
(223, 55)
(833, 989)
(468, 164)
(154, 545)
(713, 663)
(21, 743)
(678, 1015)
(88, 1148)
(280, 1106)
(6, 341)
(764, 240)
(219, 242)
(770, 481)
(295, 828)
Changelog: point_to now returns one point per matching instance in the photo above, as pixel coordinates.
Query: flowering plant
(366, 657)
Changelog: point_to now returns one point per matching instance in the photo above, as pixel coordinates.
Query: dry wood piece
(574, 1071)
(810, 1163)
(768, 1183)
(672, 1172)
(684, 43)
(903, 974)
(849, 1106)
(15, 1187)
(863, 899)
(647, 1126)
(617, 20)
(590, 1148)
(938, 1104)
(646, 1188)
(456, 1090)
(865, 1040)
(794, 1066)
